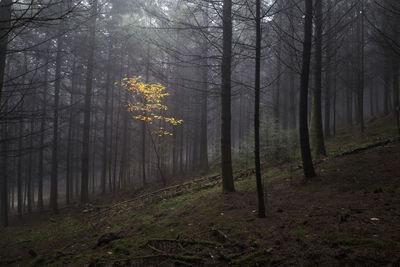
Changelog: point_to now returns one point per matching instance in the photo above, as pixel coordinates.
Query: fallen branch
(160, 191)
(361, 149)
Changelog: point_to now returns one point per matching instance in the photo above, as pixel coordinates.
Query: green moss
(258, 257)
(121, 246)
(348, 242)
(298, 233)
(37, 261)
(174, 262)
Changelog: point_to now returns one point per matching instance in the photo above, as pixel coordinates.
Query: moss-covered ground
(348, 215)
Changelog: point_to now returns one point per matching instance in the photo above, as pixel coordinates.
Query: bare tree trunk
(105, 125)
(317, 134)
(144, 124)
(159, 167)
(334, 94)
(30, 157)
(4, 176)
(260, 190)
(350, 84)
(360, 91)
(292, 98)
(328, 74)
(88, 106)
(182, 135)
(93, 158)
(68, 177)
(349, 105)
(226, 68)
(124, 152)
(19, 169)
(277, 93)
(5, 16)
(54, 155)
(110, 158)
(42, 134)
(308, 166)
(116, 144)
(386, 82)
(204, 94)
(395, 80)
(371, 97)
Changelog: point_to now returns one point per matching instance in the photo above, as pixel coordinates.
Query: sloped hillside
(350, 215)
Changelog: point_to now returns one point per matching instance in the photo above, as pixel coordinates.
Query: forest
(199, 132)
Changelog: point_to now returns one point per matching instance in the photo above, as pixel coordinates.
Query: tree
(395, 81)
(226, 68)
(42, 131)
(328, 75)
(148, 107)
(317, 134)
(204, 94)
(105, 126)
(5, 16)
(57, 85)
(260, 190)
(88, 105)
(360, 60)
(308, 166)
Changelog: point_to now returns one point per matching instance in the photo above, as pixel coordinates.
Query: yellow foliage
(148, 101)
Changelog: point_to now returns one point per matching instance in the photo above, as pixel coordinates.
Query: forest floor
(348, 215)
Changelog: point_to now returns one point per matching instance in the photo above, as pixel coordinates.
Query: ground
(348, 215)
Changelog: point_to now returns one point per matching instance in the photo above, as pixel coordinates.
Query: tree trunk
(395, 80)
(328, 74)
(5, 15)
(308, 166)
(93, 158)
(30, 157)
(88, 105)
(19, 169)
(124, 153)
(260, 190)
(386, 82)
(143, 148)
(226, 154)
(54, 156)
(277, 95)
(204, 94)
(360, 91)
(114, 179)
(4, 176)
(292, 97)
(68, 176)
(110, 158)
(105, 125)
(334, 94)
(317, 134)
(42, 134)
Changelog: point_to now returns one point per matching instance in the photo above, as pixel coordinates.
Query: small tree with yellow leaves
(147, 106)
